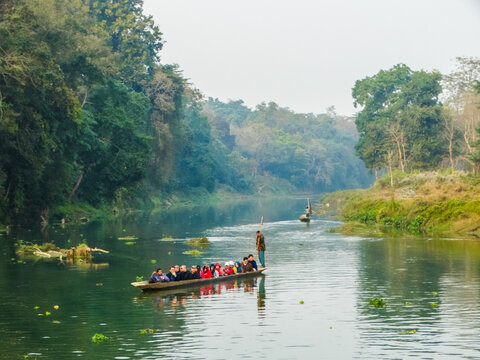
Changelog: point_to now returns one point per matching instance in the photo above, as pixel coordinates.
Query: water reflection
(180, 297)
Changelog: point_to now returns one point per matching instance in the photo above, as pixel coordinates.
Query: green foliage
(401, 120)
(193, 252)
(377, 302)
(201, 242)
(98, 338)
(139, 278)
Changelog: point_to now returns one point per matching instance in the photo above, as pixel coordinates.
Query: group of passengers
(180, 273)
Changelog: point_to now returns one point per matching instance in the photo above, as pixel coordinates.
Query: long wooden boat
(146, 286)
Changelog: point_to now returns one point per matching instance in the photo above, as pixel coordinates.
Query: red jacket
(206, 275)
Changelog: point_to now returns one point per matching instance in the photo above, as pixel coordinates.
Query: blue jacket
(254, 264)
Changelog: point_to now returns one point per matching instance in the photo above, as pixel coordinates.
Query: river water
(312, 302)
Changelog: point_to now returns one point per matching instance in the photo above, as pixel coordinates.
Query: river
(312, 302)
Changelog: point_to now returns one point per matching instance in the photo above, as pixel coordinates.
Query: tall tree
(400, 120)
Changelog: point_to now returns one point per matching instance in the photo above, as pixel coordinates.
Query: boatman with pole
(261, 245)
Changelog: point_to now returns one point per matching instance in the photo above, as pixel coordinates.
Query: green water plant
(408, 303)
(139, 278)
(98, 338)
(201, 242)
(302, 302)
(128, 238)
(147, 331)
(377, 302)
(194, 252)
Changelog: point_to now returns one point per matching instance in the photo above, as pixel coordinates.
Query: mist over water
(334, 276)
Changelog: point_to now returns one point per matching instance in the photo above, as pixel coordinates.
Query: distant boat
(308, 213)
(146, 286)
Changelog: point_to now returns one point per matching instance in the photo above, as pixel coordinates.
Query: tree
(401, 119)
(462, 100)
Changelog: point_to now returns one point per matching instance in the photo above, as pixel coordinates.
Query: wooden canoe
(146, 286)
(304, 218)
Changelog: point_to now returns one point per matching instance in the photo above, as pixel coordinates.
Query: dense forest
(89, 115)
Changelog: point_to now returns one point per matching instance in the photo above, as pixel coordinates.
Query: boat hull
(304, 218)
(146, 286)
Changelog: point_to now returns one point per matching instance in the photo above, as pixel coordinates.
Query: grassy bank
(432, 203)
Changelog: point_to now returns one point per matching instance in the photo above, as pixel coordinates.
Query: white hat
(227, 263)
(231, 263)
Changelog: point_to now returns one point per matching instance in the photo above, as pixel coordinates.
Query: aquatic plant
(201, 242)
(412, 331)
(139, 278)
(409, 303)
(153, 261)
(147, 331)
(434, 305)
(302, 302)
(128, 238)
(377, 302)
(98, 338)
(130, 243)
(193, 252)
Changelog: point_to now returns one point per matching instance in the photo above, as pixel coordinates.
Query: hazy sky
(307, 54)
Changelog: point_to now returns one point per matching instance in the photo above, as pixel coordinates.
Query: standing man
(261, 248)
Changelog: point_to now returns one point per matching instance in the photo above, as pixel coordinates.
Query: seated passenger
(243, 265)
(206, 273)
(236, 268)
(195, 273)
(230, 268)
(158, 276)
(225, 269)
(253, 262)
(172, 275)
(184, 274)
(217, 271)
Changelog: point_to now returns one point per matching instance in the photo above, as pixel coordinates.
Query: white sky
(307, 54)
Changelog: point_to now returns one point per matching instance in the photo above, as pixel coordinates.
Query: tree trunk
(450, 153)
(389, 159)
(75, 188)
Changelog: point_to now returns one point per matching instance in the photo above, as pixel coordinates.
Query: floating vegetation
(147, 331)
(377, 302)
(434, 293)
(153, 261)
(98, 338)
(51, 251)
(130, 243)
(412, 331)
(36, 307)
(201, 242)
(300, 244)
(128, 238)
(99, 284)
(408, 303)
(194, 252)
(47, 313)
(434, 305)
(169, 253)
(168, 238)
(302, 302)
(56, 322)
(56, 307)
(139, 278)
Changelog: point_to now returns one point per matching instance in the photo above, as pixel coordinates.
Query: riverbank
(78, 213)
(439, 204)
